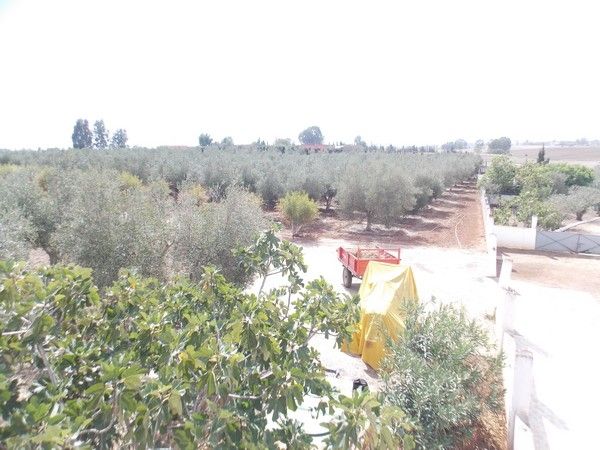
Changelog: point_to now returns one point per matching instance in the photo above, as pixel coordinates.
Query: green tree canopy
(577, 201)
(227, 141)
(358, 141)
(500, 145)
(205, 140)
(500, 176)
(311, 136)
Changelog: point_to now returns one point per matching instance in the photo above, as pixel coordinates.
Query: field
(587, 156)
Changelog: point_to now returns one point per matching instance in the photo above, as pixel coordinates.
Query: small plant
(196, 192)
(129, 181)
(298, 209)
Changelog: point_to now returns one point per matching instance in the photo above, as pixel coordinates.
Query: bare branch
(106, 429)
(49, 369)
(244, 397)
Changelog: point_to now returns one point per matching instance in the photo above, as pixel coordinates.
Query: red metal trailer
(355, 261)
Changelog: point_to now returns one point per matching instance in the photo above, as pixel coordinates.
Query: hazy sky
(393, 72)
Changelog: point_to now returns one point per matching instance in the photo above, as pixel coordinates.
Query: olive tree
(271, 187)
(16, 235)
(33, 195)
(577, 201)
(207, 233)
(107, 228)
(381, 193)
(298, 209)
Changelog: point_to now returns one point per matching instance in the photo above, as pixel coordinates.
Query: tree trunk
(52, 255)
(368, 228)
(579, 214)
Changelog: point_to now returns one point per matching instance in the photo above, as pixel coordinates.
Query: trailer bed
(355, 261)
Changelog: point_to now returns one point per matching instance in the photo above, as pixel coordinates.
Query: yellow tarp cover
(384, 289)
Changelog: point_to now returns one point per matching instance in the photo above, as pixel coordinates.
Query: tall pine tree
(100, 135)
(82, 136)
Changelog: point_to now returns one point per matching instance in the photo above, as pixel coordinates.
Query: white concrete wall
(515, 237)
(490, 237)
(517, 370)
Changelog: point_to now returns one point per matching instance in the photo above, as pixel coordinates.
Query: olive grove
(376, 185)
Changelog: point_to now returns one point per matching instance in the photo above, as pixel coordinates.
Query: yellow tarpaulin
(384, 289)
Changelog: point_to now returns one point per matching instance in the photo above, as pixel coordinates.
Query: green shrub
(129, 181)
(8, 168)
(298, 209)
(519, 211)
(195, 192)
(442, 374)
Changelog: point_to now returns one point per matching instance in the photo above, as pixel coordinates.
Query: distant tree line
(83, 137)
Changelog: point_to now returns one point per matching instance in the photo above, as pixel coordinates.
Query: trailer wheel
(347, 277)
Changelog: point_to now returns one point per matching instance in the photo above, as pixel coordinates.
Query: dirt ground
(557, 270)
(587, 156)
(591, 225)
(451, 221)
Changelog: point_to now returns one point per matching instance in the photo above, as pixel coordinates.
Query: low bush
(443, 375)
(298, 209)
(129, 181)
